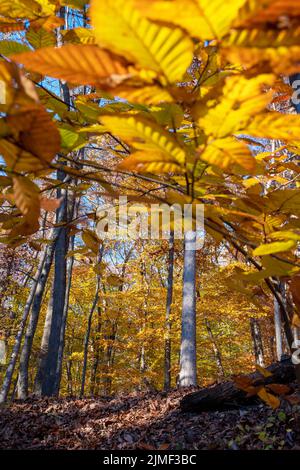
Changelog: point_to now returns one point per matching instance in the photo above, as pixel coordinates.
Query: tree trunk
(257, 342)
(167, 369)
(96, 355)
(278, 329)
(73, 212)
(33, 321)
(89, 325)
(48, 376)
(188, 361)
(216, 350)
(16, 348)
(70, 264)
(228, 396)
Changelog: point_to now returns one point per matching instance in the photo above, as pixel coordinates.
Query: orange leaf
(279, 389)
(50, 205)
(268, 398)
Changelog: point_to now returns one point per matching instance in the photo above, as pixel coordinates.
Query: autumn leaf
(26, 198)
(205, 19)
(276, 247)
(264, 372)
(121, 28)
(269, 398)
(35, 140)
(228, 154)
(77, 64)
(50, 204)
(157, 163)
(279, 389)
(91, 241)
(145, 135)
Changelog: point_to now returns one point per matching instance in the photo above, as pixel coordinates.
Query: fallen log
(227, 395)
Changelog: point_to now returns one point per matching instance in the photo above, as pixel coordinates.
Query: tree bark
(278, 327)
(96, 355)
(167, 368)
(89, 325)
(227, 395)
(188, 361)
(73, 212)
(17, 345)
(22, 386)
(216, 350)
(257, 342)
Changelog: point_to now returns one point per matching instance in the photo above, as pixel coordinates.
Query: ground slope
(144, 421)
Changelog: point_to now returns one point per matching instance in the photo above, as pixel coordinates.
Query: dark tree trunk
(89, 325)
(32, 324)
(216, 350)
(257, 342)
(57, 304)
(167, 368)
(74, 208)
(228, 396)
(96, 355)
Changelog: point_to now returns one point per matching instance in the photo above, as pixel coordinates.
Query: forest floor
(144, 420)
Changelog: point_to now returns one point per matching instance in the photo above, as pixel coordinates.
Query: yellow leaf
(274, 125)
(121, 28)
(242, 98)
(264, 372)
(151, 94)
(79, 36)
(228, 154)
(151, 163)
(205, 19)
(285, 235)
(77, 64)
(276, 247)
(145, 135)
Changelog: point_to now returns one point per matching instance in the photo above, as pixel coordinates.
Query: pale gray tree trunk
(17, 345)
(188, 360)
(278, 327)
(167, 368)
